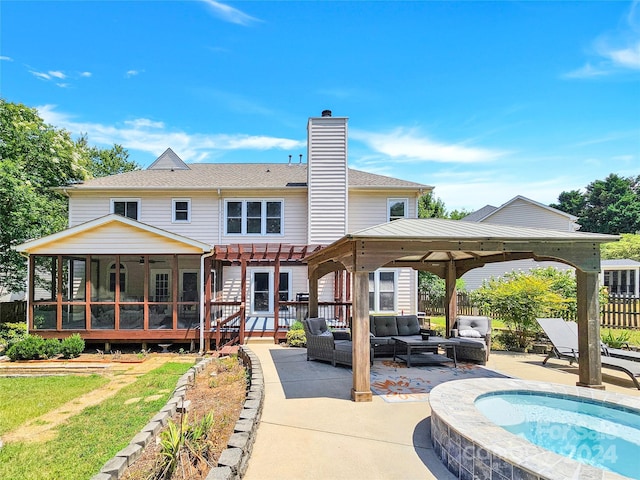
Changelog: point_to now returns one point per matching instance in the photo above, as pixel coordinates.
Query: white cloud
(57, 74)
(133, 73)
(44, 76)
(85, 74)
(63, 85)
(154, 137)
(614, 52)
(5, 58)
(409, 145)
(229, 14)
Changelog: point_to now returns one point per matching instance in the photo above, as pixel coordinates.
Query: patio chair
(609, 351)
(323, 344)
(564, 340)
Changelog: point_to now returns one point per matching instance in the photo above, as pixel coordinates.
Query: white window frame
(174, 211)
(263, 214)
(376, 290)
(391, 201)
(127, 200)
(271, 272)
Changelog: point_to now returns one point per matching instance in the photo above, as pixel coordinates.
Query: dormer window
(397, 208)
(253, 217)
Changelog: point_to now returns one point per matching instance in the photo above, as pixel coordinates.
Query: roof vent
(326, 113)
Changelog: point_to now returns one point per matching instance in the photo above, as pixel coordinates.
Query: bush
(50, 348)
(31, 347)
(296, 338)
(72, 346)
(616, 339)
(297, 325)
(11, 333)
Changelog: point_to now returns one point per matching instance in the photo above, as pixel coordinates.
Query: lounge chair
(611, 352)
(323, 344)
(564, 339)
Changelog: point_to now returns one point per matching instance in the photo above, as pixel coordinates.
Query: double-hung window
(253, 217)
(181, 208)
(382, 290)
(397, 208)
(126, 207)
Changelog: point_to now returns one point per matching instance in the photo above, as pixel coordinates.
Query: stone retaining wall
(233, 461)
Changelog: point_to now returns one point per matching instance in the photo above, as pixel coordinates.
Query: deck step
(262, 340)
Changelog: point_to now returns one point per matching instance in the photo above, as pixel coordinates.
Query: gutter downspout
(202, 297)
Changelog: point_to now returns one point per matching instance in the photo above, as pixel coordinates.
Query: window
(126, 208)
(181, 210)
(253, 217)
(397, 208)
(262, 288)
(112, 278)
(382, 291)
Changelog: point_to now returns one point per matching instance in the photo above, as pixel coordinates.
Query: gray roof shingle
(205, 176)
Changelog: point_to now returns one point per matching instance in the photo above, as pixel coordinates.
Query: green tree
(430, 206)
(102, 162)
(627, 247)
(519, 298)
(611, 205)
(34, 158)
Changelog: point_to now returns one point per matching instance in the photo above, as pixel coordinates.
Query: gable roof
(208, 176)
(489, 210)
(96, 228)
(168, 161)
(620, 262)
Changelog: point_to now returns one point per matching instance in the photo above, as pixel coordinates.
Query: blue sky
(483, 100)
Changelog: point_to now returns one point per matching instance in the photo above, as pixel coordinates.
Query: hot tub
(471, 445)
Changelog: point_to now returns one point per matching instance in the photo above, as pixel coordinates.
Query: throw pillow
(326, 333)
(470, 333)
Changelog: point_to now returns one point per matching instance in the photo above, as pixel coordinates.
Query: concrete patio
(310, 429)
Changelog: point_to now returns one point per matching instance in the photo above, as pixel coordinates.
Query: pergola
(449, 248)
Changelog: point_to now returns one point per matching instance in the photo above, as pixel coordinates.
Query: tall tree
(611, 205)
(102, 162)
(627, 247)
(430, 206)
(34, 157)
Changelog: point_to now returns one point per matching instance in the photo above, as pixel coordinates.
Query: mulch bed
(220, 389)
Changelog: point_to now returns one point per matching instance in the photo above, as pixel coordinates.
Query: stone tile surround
(473, 447)
(233, 461)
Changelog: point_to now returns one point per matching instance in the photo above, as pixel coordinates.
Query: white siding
(525, 214)
(327, 179)
(369, 208)
(407, 288)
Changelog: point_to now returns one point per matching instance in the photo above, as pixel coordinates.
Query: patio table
(421, 351)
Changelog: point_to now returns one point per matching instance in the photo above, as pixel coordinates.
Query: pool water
(590, 432)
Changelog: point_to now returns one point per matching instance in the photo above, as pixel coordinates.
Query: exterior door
(261, 288)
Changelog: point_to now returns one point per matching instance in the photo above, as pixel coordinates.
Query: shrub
(616, 340)
(11, 333)
(31, 347)
(297, 325)
(296, 338)
(72, 346)
(51, 348)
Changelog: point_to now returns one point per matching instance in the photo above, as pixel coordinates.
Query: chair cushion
(472, 322)
(408, 325)
(317, 325)
(326, 333)
(385, 326)
(470, 333)
(344, 345)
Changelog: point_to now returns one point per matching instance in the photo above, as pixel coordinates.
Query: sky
(483, 100)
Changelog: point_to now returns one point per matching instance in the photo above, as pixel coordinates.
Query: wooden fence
(621, 311)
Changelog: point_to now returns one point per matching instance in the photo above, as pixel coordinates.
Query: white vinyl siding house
(213, 237)
(521, 212)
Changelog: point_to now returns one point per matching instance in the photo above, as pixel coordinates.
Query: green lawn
(23, 398)
(86, 441)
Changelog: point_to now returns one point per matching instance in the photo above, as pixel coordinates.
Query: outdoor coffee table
(420, 351)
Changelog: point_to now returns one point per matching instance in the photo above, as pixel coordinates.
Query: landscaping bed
(219, 390)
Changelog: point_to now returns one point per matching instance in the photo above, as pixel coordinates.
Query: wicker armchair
(474, 335)
(322, 344)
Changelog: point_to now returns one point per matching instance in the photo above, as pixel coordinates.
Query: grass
(22, 398)
(86, 441)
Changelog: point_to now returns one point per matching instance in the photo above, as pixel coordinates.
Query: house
(519, 212)
(211, 253)
(621, 277)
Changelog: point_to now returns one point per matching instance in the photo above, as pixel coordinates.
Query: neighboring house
(156, 254)
(523, 212)
(621, 277)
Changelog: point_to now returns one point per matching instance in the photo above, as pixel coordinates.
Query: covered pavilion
(449, 248)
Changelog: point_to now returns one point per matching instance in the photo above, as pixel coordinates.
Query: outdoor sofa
(384, 327)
